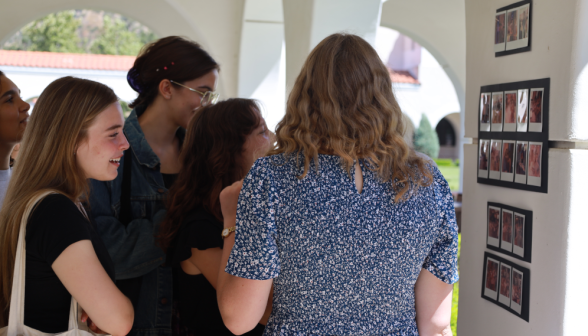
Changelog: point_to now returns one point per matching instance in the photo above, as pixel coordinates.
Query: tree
(56, 32)
(116, 39)
(426, 140)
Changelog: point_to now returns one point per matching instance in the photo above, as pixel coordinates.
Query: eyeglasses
(208, 97)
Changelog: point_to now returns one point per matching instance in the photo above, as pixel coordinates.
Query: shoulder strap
(125, 215)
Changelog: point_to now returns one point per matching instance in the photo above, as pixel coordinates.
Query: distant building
(32, 71)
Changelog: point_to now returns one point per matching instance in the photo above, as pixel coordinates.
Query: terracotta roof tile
(38, 59)
(403, 77)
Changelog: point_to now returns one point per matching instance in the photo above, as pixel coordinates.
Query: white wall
(558, 292)
(32, 81)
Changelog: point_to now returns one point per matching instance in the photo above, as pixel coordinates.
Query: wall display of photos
(507, 285)
(513, 135)
(512, 29)
(510, 230)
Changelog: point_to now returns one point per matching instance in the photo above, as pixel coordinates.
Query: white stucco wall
(558, 293)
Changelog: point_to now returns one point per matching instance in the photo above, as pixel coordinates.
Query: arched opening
(95, 45)
(447, 140)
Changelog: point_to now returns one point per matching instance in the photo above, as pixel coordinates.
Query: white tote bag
(16, 325)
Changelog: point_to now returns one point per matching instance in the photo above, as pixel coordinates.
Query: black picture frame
(522, 49)
(526, 290)
(528, 231)
(542, 137)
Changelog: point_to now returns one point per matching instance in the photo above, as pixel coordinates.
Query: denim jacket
(132, 247)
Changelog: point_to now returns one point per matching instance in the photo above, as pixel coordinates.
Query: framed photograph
(506, 234)
(505, 281)
(495, 155)
(491, 283)
(510, 231)
(497, 111)
(506, 284)
(512, 29)
(485, 112)
(500, 31)
(522, 110)
(521, 162)
(508, 160)
(518, 246)
(517, 290)
(483, 158)
(534, 164)
(536, 111)
(510, 111)
(519, 115)
(516, 20)
(493, 226)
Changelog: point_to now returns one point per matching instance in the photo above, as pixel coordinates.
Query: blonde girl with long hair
(75, 134)
(355, 230)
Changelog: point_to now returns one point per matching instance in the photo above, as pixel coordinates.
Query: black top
(55, 224)
(169, 179)
(197, 305)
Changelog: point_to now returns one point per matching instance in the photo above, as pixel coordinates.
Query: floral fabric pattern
(343, 262)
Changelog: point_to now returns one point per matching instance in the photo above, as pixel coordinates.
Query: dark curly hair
(209, 157)
(171, 57)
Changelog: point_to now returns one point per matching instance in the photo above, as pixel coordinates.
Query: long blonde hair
(63, 113)
(342, 104)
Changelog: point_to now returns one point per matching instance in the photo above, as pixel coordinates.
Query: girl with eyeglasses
(174, 77)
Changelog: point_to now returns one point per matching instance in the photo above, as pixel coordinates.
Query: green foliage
(82, 31)
(116, 39)
(445, 162)
(426, 140)
(455, 298)
(56, 32)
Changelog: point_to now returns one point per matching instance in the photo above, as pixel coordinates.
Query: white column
(307, 22)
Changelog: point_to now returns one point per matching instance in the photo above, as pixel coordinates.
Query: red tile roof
(38, 59)
(403, 77)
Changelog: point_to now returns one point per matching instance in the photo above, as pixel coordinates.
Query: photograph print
(507, 172)
(536, 110)
(506, 234)
(523, 12)
(485, 112)
(512, 29)
(518, 246)
(517, 291)
(534, 164)
(505, 281)
(491, 279)
(493, 226)
(483, 158)
(522, 110)
(499, 32)
(497, 111)
(510, 111)
(495, 151)
(521, 162)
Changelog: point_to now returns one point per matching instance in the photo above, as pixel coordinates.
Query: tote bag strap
(16, 314)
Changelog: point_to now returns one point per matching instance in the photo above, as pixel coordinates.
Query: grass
(451, 174)
(455, 298)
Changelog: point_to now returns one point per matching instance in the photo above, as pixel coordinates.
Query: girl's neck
(159, 129)
(5, 151)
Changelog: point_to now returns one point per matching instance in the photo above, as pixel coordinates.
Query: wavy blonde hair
(64, 112)
(342, 104)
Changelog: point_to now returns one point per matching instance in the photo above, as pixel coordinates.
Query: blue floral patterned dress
(343, 263)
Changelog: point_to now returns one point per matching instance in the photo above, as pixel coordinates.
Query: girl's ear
(165, 88)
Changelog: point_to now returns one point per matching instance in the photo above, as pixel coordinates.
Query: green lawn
(451, 174)
(455, 298)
